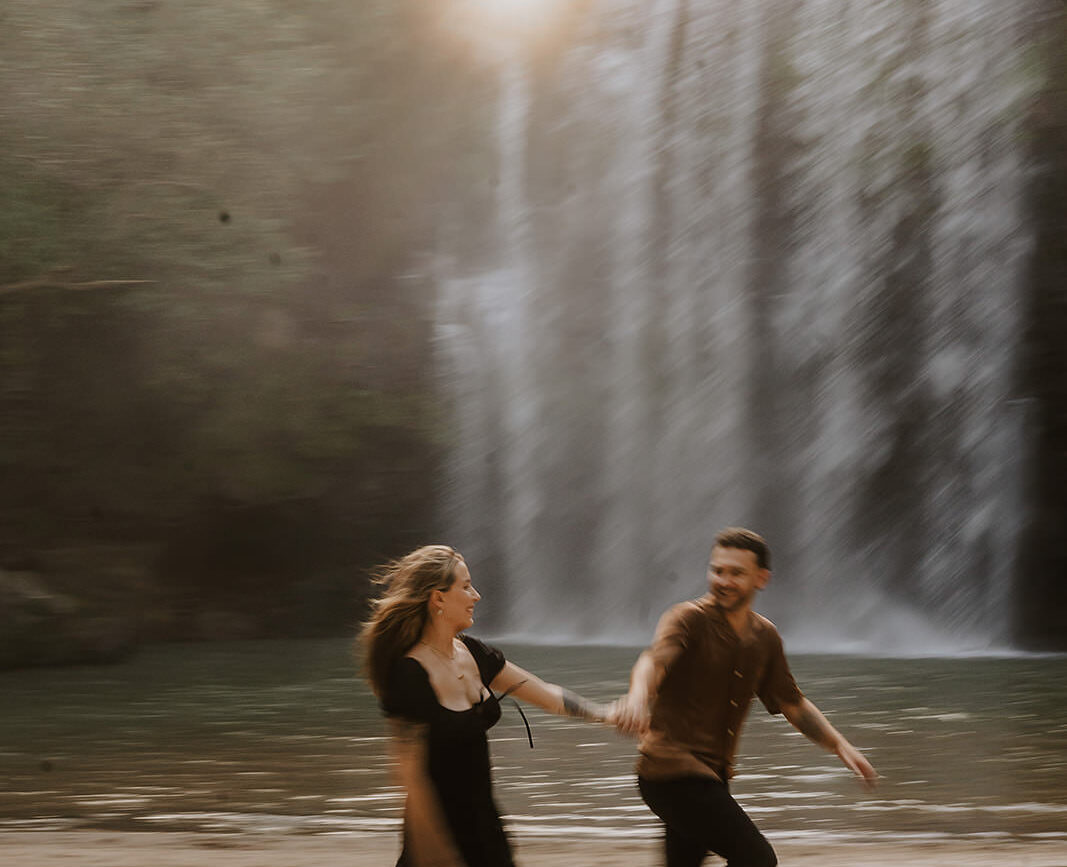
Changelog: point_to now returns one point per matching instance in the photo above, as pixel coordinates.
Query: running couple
(689, 694)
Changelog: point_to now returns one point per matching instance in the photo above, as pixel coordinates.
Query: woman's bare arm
(427, 838)
(549, 696)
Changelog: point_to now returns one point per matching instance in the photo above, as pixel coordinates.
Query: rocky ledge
(41, 625)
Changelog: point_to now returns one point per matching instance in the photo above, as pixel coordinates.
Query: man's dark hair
(746, 540)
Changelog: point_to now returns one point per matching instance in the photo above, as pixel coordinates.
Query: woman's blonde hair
(399, 615)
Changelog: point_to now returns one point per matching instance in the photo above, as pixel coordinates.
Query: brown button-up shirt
(703, 698)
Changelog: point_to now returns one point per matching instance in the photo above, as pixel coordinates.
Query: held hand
(630, 717)
(857, 763)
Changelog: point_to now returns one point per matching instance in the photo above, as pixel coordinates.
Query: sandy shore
(177, 849)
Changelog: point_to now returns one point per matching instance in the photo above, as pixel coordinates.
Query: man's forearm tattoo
(576, 706)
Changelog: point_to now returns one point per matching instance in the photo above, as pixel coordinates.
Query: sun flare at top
(514, 16)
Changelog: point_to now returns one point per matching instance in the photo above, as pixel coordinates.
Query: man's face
(734, 577)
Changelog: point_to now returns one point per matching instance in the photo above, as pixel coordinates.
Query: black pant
(701, 816)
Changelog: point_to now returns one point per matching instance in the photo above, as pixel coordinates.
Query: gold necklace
(451, 659)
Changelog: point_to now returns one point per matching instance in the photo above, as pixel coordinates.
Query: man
(689, 695)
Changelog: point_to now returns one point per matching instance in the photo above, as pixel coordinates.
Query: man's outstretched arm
(807, 719)
(632, 711)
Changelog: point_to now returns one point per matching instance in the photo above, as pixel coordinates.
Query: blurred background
(288, 287)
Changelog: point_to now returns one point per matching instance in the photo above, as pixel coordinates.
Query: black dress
(457, 754)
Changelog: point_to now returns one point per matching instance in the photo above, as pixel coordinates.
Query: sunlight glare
(515, 16)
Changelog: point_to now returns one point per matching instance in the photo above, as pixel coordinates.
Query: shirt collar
(724, 628)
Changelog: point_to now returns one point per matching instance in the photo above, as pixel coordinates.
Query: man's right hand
(631, 716)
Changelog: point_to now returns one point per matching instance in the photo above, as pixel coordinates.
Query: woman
(440, 690)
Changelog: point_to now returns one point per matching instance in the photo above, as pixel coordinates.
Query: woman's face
(457, 602)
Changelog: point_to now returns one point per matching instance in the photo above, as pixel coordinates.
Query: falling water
(759, 264)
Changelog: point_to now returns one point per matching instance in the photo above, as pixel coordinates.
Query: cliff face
(75, 606)
(216, 388)
(1042, 582)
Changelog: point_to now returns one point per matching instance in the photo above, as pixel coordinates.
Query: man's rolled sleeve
(673, 635)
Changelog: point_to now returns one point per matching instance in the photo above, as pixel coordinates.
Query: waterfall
(751, 264)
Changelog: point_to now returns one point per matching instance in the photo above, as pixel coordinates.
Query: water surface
(283, 735)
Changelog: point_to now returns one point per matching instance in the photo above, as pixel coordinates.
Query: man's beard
(732, 601)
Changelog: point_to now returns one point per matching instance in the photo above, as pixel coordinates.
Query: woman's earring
(440, 611)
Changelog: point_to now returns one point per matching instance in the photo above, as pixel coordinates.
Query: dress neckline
(437, 700)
